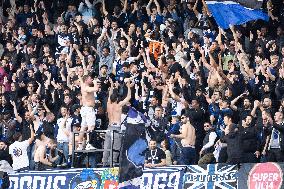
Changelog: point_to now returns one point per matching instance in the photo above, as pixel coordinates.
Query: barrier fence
(213, 176)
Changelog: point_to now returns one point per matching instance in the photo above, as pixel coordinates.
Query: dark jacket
(249, 141)
(4, 155)
(234, 150)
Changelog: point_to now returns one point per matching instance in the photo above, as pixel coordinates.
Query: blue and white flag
(211, 176)
(235, 12)
(134, 145)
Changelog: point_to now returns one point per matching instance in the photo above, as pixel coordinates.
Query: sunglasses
(183, 117)
(206, 125)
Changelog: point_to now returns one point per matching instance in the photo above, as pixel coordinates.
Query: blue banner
(213, 176)
(66, 179)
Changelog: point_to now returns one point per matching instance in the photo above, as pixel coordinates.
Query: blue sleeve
(55, 130)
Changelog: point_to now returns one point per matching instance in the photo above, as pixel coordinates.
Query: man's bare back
(114, 108)
(114, 111)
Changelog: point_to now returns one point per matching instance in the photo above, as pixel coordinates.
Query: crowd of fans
(211, 95)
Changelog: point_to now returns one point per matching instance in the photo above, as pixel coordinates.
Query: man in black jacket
(276, 143)
(249, 141)
(4, 152)
(232, 138)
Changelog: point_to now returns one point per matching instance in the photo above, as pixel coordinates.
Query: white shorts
(88, 116)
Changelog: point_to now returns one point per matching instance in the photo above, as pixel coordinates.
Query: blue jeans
(187, 156)
(30, 151)
(65, 148)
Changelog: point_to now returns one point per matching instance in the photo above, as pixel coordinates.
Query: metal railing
(74, 150)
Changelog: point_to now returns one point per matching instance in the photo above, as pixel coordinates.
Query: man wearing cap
(103, 71)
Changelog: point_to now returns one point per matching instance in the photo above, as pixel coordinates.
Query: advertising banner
(261, 175)
(106, 178)
(211, 176)
(163, 178)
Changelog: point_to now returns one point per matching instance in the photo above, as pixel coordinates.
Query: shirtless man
(41, 160)
(87, 110)
(114, 110)
(187, 136)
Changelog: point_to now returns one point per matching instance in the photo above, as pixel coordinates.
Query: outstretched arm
(18, 118)
(104, 8)
(110, 90)
(148, 8)
(124, 6)
(31, 139)
(158, 7)
(128, 97)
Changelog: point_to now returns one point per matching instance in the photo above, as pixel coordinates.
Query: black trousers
(275, 155)
(249, 157)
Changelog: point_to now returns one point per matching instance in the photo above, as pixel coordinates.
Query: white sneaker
(80, 147)
(90, 147)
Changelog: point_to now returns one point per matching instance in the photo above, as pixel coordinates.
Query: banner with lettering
(211, 176)
(161, 178)
(103, 178)
(261, 175)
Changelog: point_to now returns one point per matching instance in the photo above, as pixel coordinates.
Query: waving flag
(134, 145)
(235, 12)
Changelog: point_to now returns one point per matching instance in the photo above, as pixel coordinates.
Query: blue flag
(235, 12)
(134, 145)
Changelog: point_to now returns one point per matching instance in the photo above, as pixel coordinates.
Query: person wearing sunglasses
(209, 140)
(188, 137)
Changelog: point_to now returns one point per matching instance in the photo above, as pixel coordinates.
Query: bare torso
(190, 135)
(39, 146)
(36, 123)
(114, 111)
(87, 97)
(39, 151)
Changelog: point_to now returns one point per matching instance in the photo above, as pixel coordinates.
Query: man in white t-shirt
(18, 151)
(64, 131)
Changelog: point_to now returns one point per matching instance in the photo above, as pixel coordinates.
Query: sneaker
(90, 147)
(80, 147)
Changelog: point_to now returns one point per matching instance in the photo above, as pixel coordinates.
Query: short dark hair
(228, 115)
(121, 50)
(153, 139)
(114, 97)
(105, 47)
(17, 136)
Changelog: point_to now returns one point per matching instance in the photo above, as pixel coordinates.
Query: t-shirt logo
(17, 152)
